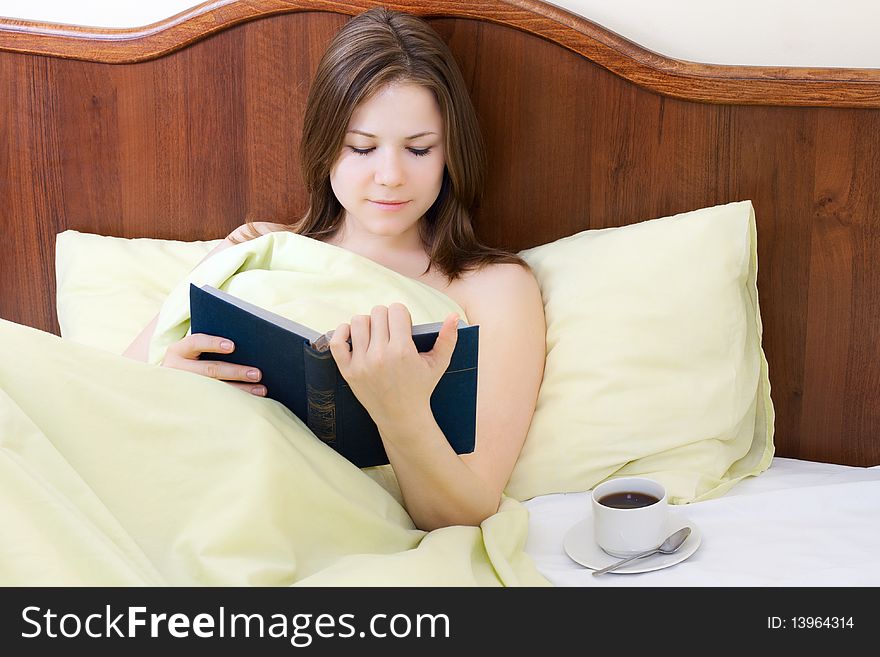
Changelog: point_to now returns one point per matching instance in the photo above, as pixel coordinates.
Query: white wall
(95, 13)
(759, 32)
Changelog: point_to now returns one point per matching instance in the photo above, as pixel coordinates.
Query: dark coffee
(628, 500)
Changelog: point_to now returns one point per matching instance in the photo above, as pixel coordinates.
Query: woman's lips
(389, 205)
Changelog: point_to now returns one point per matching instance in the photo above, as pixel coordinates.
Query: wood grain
(189, 140)
(664, 75)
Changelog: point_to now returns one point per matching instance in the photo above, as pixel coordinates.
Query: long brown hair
(374, 49)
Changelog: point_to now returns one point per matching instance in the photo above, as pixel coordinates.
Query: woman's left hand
(386, 372)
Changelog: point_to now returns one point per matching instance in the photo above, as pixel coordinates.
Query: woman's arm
(441, 488)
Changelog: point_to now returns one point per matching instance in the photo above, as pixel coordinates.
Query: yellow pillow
(654, 359)
(110, 288)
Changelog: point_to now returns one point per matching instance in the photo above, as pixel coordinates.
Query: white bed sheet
(800, 523)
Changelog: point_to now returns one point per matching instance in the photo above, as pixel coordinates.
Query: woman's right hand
(184, 355)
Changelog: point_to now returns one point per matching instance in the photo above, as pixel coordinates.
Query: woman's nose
(390, 170)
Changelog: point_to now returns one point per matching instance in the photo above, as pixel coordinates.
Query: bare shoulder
(503, 279)
(268, 227)
(244, 233)
(252, 230)
(503, 287)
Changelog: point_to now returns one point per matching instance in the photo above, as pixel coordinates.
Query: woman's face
(391, 166)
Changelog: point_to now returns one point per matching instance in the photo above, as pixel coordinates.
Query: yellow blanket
(114, 472)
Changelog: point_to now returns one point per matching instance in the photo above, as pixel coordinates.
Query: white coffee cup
(623, 532)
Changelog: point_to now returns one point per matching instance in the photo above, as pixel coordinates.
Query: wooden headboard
(186, 128)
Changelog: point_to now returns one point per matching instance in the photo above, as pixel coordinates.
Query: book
(299, 371)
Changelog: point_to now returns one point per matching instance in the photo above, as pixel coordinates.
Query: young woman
(393, 161)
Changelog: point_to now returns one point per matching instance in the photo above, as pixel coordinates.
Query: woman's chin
(389, 228)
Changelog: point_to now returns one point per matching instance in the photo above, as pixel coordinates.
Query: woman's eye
(418, 152)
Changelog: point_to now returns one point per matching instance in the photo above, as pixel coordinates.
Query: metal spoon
(670, 545)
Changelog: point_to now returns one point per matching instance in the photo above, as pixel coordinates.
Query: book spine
(320, 375)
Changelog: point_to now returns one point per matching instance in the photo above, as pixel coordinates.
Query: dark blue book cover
(306, 380)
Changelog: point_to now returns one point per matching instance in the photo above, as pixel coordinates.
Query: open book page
(319, 341)
(300, 329)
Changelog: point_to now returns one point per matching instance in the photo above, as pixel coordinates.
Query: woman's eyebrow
(367, 134)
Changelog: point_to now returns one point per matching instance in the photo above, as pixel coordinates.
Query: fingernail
(253, 374)
(226, 345)
(260, 391)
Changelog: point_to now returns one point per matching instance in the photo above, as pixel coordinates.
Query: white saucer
(581, 547)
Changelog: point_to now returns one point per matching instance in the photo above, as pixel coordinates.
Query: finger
(199, 343)
(400, 326)
(360, 334)
(339, 346)
(446, 340)
(215, 369)
(378, 328)
(257, 391)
